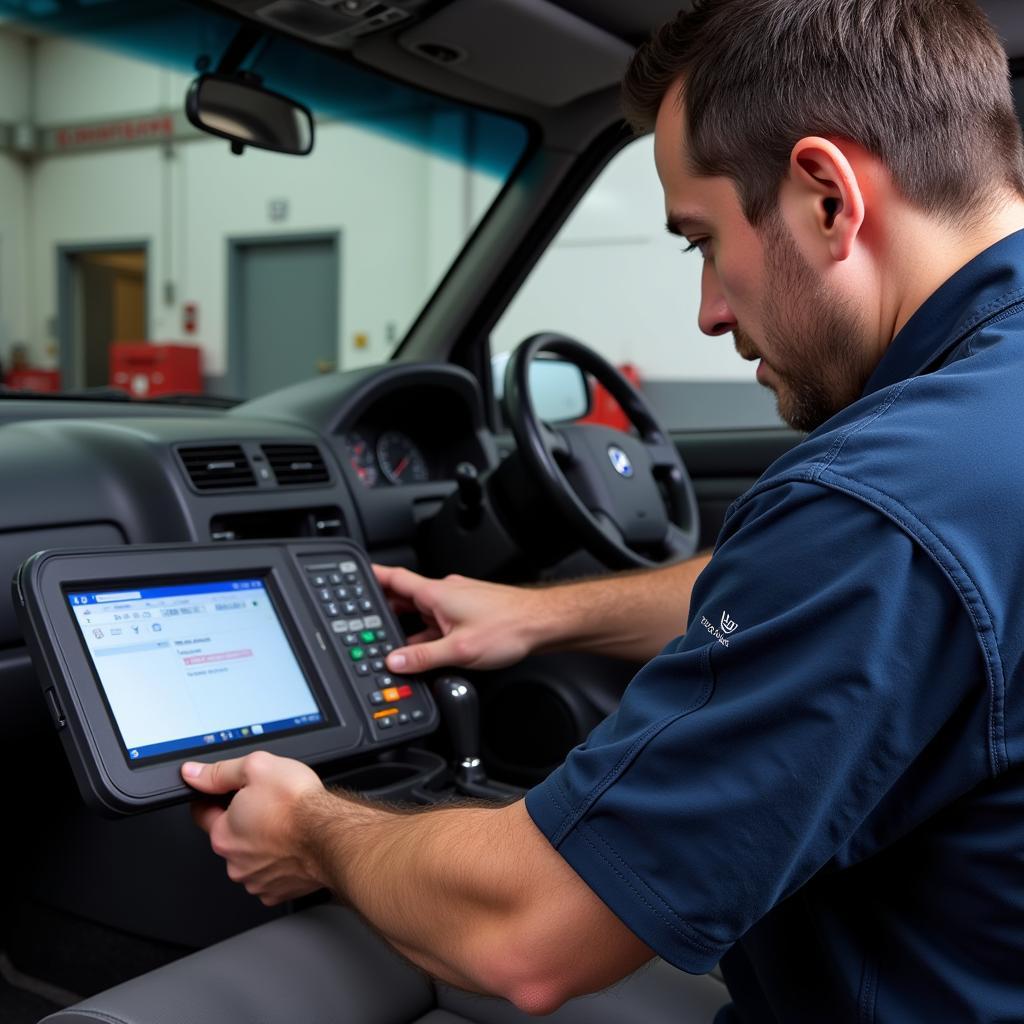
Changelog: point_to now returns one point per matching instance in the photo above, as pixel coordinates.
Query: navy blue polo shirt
(820, 783)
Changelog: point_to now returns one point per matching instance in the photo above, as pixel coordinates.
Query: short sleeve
(824, 655)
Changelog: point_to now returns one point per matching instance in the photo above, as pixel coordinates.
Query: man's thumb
(220, 777)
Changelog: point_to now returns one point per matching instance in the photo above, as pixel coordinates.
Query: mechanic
(819, 783)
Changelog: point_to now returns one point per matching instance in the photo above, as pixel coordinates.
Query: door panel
(723, 464)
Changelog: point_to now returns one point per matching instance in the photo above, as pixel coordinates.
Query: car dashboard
(93, 474)
(283, 466)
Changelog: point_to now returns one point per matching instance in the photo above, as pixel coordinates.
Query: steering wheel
(629, 500)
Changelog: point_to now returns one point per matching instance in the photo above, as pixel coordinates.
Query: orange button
(391, 693)
(404, 691)
(385, 714)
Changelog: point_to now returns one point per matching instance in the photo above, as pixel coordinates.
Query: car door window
(615, 279)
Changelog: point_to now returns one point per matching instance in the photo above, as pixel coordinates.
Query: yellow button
(385, 714)
(391, 693)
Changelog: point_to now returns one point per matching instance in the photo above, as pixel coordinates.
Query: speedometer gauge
(400, 460)
(362, 459)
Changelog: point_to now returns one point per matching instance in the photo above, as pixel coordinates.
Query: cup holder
(393, 780)
(382, 776)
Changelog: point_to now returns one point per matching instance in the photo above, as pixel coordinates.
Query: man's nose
(716, 316)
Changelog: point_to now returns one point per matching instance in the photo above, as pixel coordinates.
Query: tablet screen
(193, 666)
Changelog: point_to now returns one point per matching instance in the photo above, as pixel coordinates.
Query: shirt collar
(978, 291)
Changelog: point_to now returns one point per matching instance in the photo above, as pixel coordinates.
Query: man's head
(807, 147)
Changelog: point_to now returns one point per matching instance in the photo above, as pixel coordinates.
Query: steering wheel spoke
(662, 453)
(556, 444)
(678, 543)
(608, 526)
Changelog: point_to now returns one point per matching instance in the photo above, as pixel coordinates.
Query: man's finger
(399, 600)
(398, 581)
(219, 777)
(382, 572)
(424, 657)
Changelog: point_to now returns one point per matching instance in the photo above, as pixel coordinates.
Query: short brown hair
(921, 84)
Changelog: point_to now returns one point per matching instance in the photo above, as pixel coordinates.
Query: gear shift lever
(460, 708)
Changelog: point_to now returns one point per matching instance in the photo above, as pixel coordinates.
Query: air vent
(217, 466)
(296, 464)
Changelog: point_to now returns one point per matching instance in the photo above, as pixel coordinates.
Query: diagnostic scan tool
(149, 656)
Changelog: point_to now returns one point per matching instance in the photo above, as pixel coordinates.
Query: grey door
(284, 311)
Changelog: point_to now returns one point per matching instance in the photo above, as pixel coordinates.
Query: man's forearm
(410, 876)
(628, 615)
(473, 895)
(477, 624)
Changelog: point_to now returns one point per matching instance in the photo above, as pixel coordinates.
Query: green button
(357, 653)
(367, 636)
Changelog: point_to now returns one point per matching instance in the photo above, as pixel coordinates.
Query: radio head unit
(150, 656)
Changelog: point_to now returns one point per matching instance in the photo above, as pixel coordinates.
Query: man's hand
(469, 623)
(257, 832)
(473, 624)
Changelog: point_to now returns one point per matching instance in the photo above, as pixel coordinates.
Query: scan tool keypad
(352, 604)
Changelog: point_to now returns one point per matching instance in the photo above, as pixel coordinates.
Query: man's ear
(827, 188)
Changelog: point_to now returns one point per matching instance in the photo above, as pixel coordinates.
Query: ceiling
(529, 57)
(1008, 18)
(632, 21)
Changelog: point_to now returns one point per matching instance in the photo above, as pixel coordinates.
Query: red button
(404, 691)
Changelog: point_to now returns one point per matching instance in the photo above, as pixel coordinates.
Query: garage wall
(14, 77)
(401, 213)
(382, 283)
(123, 206)
(82, 83)
(14, 306)
(214, 196)
(14, 109)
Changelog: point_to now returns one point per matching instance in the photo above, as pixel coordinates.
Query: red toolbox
(146, 371)
(604, 409)
(27, 379)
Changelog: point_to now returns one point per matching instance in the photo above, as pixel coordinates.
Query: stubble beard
(816, 339)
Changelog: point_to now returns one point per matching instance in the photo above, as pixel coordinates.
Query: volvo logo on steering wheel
(620, 461)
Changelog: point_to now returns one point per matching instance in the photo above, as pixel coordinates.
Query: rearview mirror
(240, 110)
(558, 389)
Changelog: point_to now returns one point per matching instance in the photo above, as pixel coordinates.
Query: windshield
(141, 256)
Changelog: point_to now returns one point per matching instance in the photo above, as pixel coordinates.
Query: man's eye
(701, 245)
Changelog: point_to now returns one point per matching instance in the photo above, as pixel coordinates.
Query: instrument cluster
(391, 457)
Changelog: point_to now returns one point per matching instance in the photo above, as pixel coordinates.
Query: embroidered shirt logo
(729, 626)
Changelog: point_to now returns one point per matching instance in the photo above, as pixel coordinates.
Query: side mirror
(239, 109)
(559, 389)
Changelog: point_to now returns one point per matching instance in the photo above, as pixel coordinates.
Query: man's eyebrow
(686, 224)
